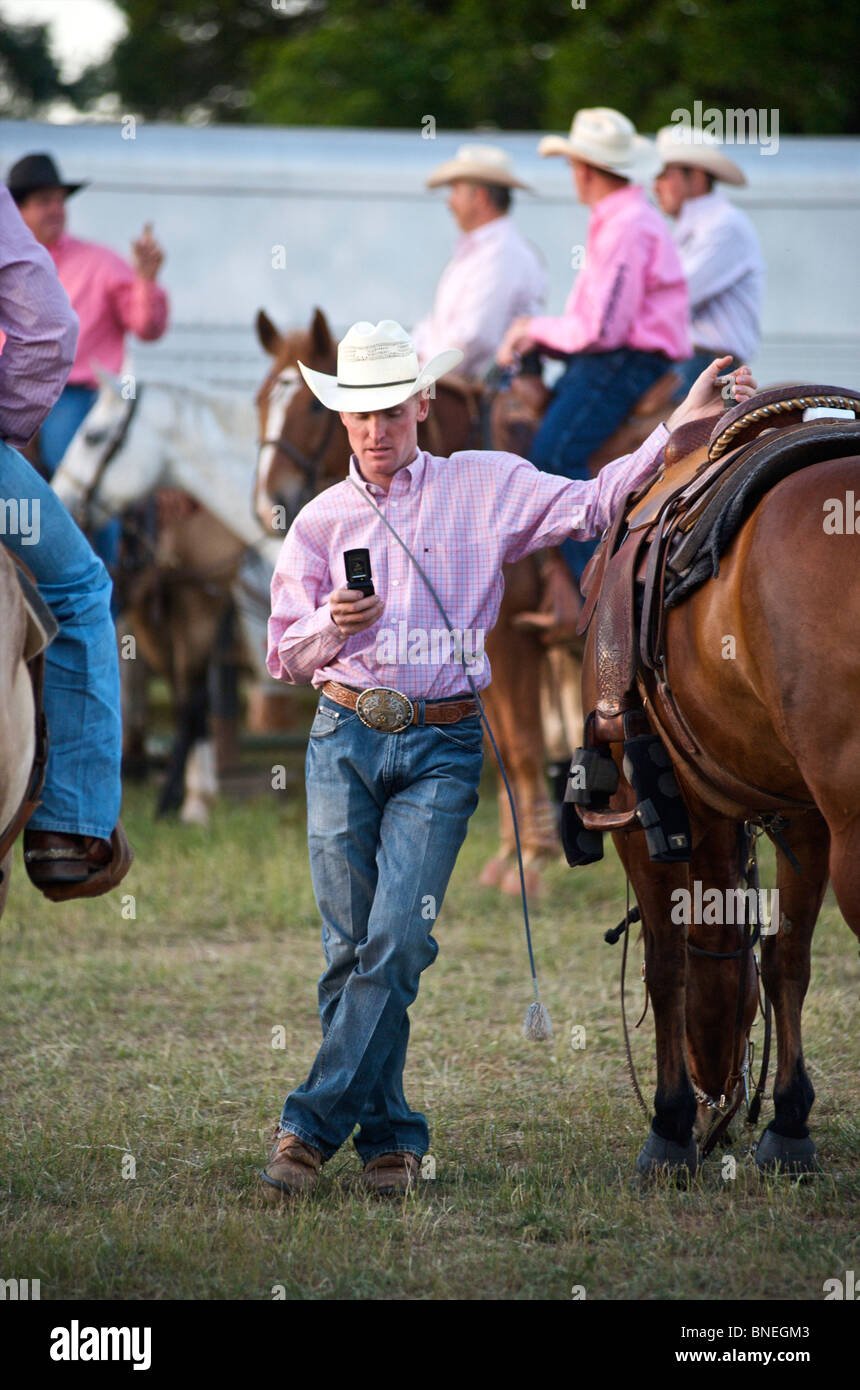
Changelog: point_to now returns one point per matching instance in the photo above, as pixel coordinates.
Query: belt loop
(421, 707)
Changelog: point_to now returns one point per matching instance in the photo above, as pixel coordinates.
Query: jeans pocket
(466, 733)
(325, 722)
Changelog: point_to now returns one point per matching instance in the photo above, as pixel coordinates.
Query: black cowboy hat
(36, 171)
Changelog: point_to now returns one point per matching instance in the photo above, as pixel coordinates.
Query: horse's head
(301, 449)
(98, 476)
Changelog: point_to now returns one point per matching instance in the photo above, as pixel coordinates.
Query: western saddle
(667, 538)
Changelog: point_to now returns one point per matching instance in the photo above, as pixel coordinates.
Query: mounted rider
(625, 321)
(110, 298)
(495, 274)
(74, 843)
(719, 249)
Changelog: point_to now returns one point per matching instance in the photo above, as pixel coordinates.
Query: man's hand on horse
(147, 255)
(351, 612)
(515, 343)
(705, 395)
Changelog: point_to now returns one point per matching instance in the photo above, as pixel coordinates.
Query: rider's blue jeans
(590, 400)
(387, 814)
(58, 430)
(82, 791)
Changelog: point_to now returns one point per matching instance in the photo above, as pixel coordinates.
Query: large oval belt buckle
(385, 710)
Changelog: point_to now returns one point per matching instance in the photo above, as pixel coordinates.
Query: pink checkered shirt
(462, 517)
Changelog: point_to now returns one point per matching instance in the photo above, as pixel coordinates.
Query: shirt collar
(694, 210)
(614, 202)
(487, 232)
(414, 471)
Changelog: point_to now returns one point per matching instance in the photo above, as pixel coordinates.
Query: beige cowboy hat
(377, 368)
(481, 164)
(684, 144)
(607, 140)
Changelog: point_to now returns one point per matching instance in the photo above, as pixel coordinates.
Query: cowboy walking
(395, 750)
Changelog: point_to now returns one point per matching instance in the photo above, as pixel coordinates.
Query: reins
(735, 1086)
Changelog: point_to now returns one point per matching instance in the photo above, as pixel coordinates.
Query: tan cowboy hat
(377, 368)
(683, 144)
(480, 163)
(607, 140)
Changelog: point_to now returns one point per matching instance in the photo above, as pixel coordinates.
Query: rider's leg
(591, 399)
(62, 423)
(81, 795)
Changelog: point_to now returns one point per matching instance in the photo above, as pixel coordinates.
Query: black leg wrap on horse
(580, 846)
(590, 781)
(660, 808)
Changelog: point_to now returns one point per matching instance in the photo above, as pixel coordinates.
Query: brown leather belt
(389, 711)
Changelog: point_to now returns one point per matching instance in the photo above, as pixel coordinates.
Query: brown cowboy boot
(391, 1174)
(76, 866)
(293, 1166)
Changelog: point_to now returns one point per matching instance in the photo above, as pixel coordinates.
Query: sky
(82, 31)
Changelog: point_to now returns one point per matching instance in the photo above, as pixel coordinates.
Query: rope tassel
(537, 1026)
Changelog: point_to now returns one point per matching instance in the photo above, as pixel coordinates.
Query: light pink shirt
(462, 517)
(493, 277)
(110, 301)
(630, 291)
(38, 328)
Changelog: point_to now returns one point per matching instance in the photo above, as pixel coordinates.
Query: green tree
(513, 64)
(28, 75)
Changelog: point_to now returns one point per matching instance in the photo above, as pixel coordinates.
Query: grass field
(140, 1083)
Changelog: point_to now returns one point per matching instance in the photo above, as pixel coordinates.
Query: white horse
(201, 442)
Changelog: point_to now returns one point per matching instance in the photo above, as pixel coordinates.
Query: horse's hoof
(494, 871)
(194, 812)
(779, 1153)
(510, 884)
(663, 1157)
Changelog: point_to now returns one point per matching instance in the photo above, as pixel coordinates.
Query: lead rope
(537, 1025)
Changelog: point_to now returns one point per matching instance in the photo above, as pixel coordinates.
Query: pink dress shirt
(38, 328)
(462, 517)
(493, 277)
(110, 301)
(630, 291)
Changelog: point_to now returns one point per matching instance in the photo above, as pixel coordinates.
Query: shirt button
(395, 583)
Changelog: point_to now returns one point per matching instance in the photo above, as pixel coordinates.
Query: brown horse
(303, 450)
(17, 715)
(765, 670)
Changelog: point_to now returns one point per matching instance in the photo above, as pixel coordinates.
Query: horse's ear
(270, 338)
(321, 340)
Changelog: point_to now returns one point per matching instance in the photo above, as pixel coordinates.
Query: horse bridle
(308, 467)
(113, 447)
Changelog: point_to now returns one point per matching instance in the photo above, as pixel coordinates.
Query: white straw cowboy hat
(606, 139)
(699, 149)
(481, 164)
(377, 368)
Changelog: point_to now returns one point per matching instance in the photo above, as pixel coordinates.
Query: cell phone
(358, 575)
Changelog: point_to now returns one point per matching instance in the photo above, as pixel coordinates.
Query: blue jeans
(82, 789)
(387, 814)
(590, 400)
(58, 430)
